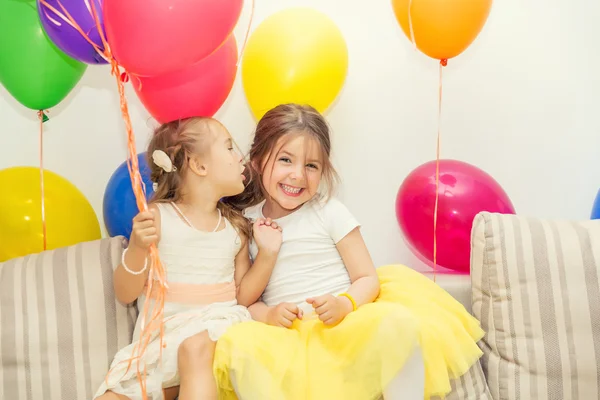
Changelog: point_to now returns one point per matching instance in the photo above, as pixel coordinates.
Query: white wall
(520, 103)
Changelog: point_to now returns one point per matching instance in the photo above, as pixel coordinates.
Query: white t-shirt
(309, 263)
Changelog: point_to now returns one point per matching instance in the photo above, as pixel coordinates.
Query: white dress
(193, 259)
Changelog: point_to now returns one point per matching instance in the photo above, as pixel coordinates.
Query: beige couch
(535, 288)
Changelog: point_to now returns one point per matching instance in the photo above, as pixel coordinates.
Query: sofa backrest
(60, 323)
(536, 291)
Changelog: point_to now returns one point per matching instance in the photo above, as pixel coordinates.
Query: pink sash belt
(197, 294)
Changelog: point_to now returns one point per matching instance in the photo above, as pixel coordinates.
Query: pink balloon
(198, 90)
(464, 191)
(154, 37)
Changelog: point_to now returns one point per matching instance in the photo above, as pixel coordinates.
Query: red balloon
(464, 190)
(154, 37)
(198, 90)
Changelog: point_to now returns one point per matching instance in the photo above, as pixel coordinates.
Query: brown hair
(180, 140)
(276, 123)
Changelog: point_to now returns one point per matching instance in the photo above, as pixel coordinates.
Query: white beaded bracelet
(130, 271)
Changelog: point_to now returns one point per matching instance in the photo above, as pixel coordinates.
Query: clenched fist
(144, 232)
(283, 315)
(331, 309)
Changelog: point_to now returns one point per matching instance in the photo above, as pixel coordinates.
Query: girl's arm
(259, 311)
(252, 281)
(145, 231)
(360, 266)
(365, 282)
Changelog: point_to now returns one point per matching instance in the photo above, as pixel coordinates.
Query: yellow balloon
(297, 55)
(70, 218)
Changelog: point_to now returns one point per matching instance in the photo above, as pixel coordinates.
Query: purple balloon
(67, 38)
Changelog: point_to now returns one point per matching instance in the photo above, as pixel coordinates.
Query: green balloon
(33, 70)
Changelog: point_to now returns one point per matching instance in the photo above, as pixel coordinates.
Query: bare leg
(409, 384)
(112, 396)
(195, 363)
(171, 393)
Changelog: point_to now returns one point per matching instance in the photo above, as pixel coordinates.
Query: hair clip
(161, 159)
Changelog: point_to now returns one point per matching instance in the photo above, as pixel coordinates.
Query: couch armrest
(458, 285)
(472, 385)
(61, 323)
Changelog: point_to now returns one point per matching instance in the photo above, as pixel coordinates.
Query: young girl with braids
(329, 325)
(203, 245)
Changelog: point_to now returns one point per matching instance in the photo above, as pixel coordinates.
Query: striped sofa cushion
(536, 291)
(60, 323)
(472, 385)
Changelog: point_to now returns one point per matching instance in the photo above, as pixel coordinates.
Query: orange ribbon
(443, 63)
(43, 118)
(156, 283)
(156, 275)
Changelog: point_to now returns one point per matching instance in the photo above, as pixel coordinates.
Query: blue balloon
(119, 205)
(596, 207)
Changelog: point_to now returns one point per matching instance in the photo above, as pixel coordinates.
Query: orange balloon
(442, 28)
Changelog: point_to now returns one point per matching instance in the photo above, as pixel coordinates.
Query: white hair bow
(161, 159)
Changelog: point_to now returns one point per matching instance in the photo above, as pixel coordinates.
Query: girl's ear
(197, 167)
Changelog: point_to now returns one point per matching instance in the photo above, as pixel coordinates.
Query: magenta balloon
(66, 37)
(464, 191)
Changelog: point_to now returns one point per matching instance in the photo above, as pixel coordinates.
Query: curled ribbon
(156, 274)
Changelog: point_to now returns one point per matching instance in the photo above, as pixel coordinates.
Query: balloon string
(247, 33)
(410, 24)
(41, 117)
(443, 63)
(156, 275)
(66, 16)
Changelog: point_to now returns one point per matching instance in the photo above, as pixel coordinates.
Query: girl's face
(220, 164)
(226, 166)
(291, 174)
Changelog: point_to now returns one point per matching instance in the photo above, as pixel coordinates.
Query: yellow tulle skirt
(356, 359)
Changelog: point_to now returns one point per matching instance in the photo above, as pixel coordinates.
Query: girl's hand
(283, 315)
(330, 309)
(267, 235)
(144, 232)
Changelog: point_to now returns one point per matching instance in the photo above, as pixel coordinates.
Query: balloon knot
(42, 115)
(124, 77)
(444, 62)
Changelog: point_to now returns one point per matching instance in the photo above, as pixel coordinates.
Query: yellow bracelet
(349, 297)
